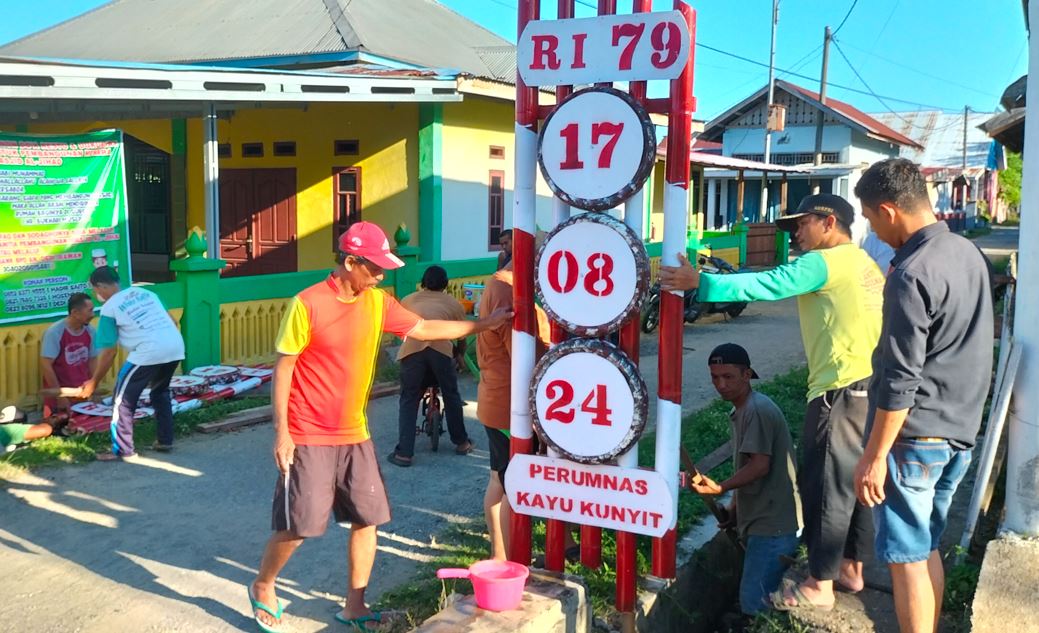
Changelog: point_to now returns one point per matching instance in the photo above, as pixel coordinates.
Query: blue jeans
(922, 477)
(763, 569)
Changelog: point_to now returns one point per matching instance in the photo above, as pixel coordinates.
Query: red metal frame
(679, 106)
(671, 318)
(524, 320)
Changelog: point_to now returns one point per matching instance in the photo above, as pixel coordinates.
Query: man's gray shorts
(344, 480)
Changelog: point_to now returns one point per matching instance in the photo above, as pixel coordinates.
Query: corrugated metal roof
(422, 32)
(941, 135)
(707, 159)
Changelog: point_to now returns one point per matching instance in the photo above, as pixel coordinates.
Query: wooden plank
(381, 389)
(715, 458)
(241, 419)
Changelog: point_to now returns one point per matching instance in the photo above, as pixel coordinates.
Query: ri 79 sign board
(635, 47)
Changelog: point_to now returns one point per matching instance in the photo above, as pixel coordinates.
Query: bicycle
(432, 421)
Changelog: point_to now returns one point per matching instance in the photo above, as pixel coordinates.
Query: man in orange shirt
(327, 345)
(494, 355)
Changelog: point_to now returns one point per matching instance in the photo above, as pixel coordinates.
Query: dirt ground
(169, 544)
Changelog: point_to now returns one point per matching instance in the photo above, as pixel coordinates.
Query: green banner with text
(62, 214)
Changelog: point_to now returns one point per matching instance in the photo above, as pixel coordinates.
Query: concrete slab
(552, 603)
(1007, 598)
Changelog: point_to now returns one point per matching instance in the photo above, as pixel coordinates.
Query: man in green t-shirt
(765, 508)
(13, 430)
(839, 292)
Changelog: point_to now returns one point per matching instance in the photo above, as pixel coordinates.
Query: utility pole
(820, 115)
(963, 174)
(768, 110)
(965, 110)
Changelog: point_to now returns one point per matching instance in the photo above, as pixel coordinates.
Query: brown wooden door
(258, 221)
(761, 244)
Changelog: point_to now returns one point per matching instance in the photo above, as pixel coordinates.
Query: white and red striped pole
(555, 530)
(627, 542)
(524, 322)
(676, 205)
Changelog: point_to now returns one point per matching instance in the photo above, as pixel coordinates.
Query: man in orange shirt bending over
(327, 346)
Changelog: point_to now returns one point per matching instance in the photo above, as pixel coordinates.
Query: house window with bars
(791, 158)
(346, 189)
(495, 207)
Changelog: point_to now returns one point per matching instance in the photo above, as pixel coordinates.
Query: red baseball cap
(367, 240)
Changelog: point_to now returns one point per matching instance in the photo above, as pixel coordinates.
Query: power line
(881, 99)
(919, 72)
(829, 83)
(846, 16)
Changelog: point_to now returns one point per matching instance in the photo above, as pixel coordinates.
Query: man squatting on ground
(327, 346)
(765, 509)
(424, 363)
(839, 293)
(68, 356)
(136, 319)
(931, 374)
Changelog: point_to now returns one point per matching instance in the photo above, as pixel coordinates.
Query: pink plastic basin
(498, 585)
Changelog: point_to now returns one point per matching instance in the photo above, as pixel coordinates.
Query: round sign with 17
(597, 148)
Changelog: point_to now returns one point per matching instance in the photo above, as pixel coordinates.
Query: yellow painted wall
(388, 158)
(468, 130)
(154, 132)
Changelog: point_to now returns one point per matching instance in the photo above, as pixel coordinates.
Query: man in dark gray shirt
(766, 508)
(931, 373)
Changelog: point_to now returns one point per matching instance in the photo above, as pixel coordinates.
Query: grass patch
(70, 450)
(702, 432)
(976, 232)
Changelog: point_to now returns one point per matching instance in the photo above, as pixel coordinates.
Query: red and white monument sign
(629, 499)
(592, 274)
(597, 148)
(589, 401)
(632, 47)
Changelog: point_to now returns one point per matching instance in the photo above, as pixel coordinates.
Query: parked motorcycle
(693, 308)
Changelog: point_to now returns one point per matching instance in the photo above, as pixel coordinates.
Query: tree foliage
(1010, 181)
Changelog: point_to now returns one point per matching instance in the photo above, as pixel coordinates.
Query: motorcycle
(692, 307)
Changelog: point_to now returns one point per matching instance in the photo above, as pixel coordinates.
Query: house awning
(42, 90)
(710, 159)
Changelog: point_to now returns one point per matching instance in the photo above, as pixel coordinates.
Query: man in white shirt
(137, 320)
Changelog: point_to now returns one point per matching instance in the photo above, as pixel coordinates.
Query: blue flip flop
(256, 604)
(360, 623)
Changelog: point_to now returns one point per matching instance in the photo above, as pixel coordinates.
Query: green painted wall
(430, 179)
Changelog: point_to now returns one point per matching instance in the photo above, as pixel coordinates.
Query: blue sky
(918, 54)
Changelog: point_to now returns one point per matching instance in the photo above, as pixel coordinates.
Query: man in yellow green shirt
(839, 292)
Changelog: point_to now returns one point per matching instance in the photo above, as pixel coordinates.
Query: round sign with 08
(592, 274)
(597, 148)
(589, 400)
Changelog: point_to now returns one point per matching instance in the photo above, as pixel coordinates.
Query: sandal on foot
(779, 598)
(259, 606)
(361, 623)
(465, 448)
(397, 460)
(161, 448)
